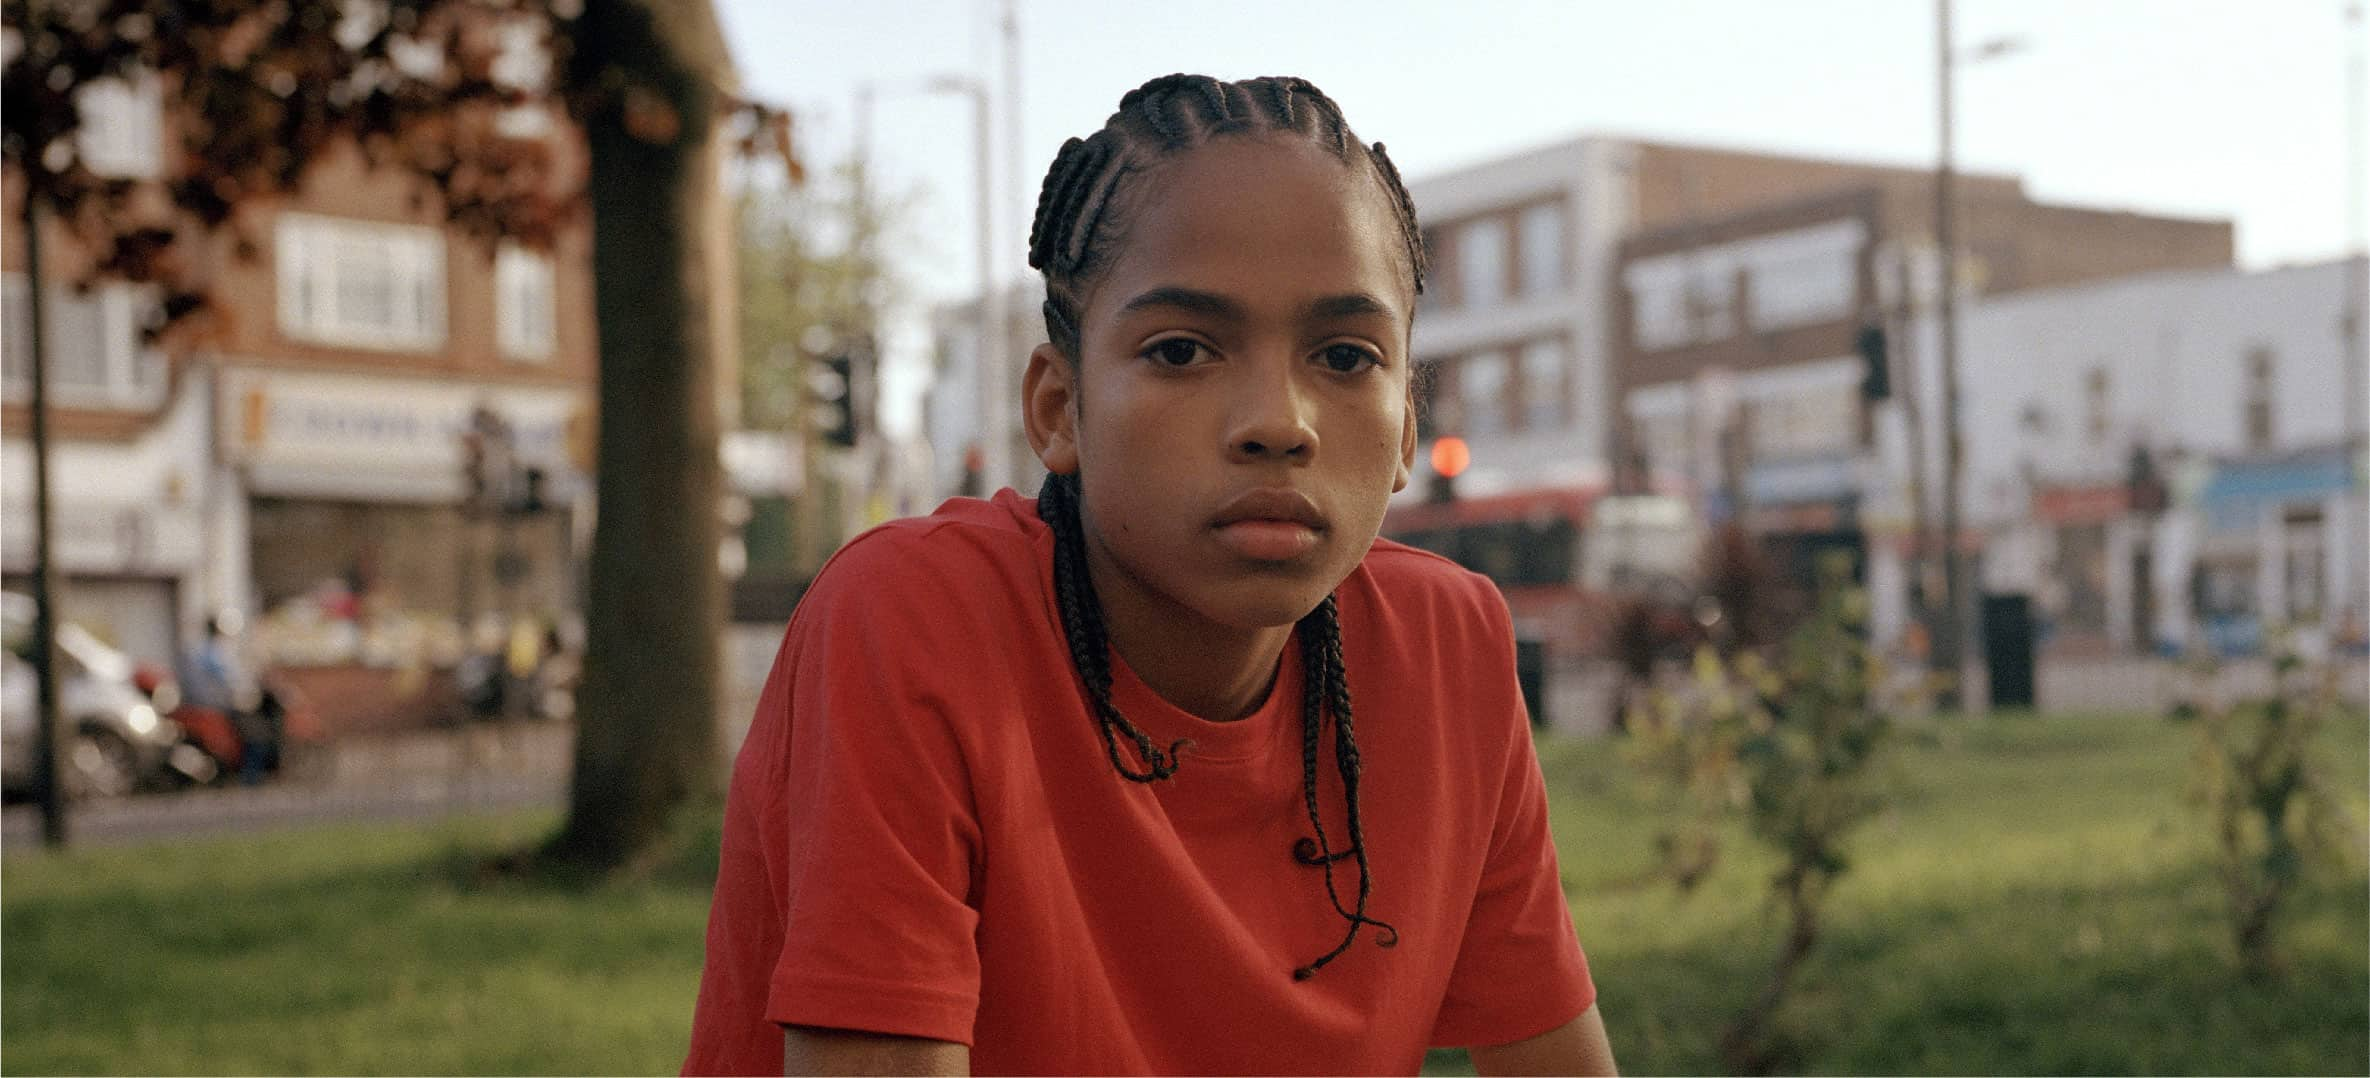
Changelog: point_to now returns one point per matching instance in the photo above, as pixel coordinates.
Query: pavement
(409, 776)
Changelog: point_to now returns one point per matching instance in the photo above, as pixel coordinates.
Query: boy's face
(1240, 415)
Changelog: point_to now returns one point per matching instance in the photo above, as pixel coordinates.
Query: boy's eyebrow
(1347, 305)
(1187, 299)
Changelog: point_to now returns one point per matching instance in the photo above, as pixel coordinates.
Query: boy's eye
(1348, 358)
(1175, 352)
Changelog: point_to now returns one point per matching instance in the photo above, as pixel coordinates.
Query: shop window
(2081, 578)
(95, 355)
(360, 284)
(523, 317)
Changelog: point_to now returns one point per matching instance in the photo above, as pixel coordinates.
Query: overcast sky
(2209, 108)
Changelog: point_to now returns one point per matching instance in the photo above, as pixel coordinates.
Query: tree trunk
(1749, 1046)
(647, 73)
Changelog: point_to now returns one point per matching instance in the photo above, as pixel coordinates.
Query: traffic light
(1876, 380)
(1450, 458)
(834, 388)
(473, 468)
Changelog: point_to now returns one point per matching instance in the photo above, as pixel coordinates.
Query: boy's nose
(1272, 417)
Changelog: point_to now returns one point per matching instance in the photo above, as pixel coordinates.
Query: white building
(953, 410)
(2234, 383)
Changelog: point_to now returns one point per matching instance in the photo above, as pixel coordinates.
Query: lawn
(2038, 901)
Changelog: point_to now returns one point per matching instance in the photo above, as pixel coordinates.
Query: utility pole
(1011, 361)
(2356, 321)
(1950, 630)
(46, 778)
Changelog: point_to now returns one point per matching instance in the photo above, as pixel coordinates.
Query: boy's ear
(1049, 409)
(1406, 448)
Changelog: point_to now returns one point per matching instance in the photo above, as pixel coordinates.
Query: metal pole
(992, 435)
(1951, 631)
(1015, 331)
(46, 777)
(2357, 290)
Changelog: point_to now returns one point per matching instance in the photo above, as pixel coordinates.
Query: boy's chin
(1268, 605)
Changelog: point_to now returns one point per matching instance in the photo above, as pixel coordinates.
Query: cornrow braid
(1071, 235)
(1159, 119)
(1090, 645)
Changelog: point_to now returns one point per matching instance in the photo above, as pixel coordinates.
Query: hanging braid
(1071, 236)
(1090, 646)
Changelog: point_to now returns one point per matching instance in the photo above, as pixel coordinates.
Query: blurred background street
(422, 418)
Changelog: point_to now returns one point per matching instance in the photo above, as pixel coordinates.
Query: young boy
(1036, 787)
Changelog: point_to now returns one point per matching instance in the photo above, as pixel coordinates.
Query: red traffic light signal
(1450, 457)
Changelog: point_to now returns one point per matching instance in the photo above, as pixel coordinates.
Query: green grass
(2039, 900)
(354, 950)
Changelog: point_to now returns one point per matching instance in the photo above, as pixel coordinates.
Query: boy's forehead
(1279, 217)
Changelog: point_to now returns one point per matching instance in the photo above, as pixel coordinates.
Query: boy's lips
(1269, 524)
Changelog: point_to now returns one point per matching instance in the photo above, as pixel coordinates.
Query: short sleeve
(1519, 970)
(880, 830)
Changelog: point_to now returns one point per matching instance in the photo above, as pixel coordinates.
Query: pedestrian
(1174, 768)
(213, 674)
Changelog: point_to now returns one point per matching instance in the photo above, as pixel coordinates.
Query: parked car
(113, 739)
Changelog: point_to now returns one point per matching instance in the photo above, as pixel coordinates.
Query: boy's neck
(1220, 676)
(1213, 671)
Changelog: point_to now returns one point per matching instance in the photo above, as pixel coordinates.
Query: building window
(1662, 428)
(361, 284)
(1805, 421)
(2306, 563)
(122, 132)
(1711, 298)
(523, 319)
(2094, 392)
(1658, 305)
(1543, 384)
(95, 357)
(1542, 239)
(1802, 291)
(2259, 400)
(1481, 262)
(1481, 387)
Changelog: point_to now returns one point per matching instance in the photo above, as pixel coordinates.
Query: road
(409, 777)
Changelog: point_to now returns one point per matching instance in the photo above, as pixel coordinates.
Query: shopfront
(370, 545)
(126, 540)
(2275, 553)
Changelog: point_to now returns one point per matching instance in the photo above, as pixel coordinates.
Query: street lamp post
(996, 465)
(1956, 627)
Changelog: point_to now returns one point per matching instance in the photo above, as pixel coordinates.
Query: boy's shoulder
(1405, 577)
(968, 555)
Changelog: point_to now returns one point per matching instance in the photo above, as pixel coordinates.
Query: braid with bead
(1073, 232)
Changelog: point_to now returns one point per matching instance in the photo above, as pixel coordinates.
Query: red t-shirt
(925, 837)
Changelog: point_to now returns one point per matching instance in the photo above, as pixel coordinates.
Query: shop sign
(125, 539)
(331, 433)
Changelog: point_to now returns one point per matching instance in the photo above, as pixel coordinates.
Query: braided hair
(1072, 236)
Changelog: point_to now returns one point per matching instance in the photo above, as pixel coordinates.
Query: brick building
(1743, 340)
(299, 460)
